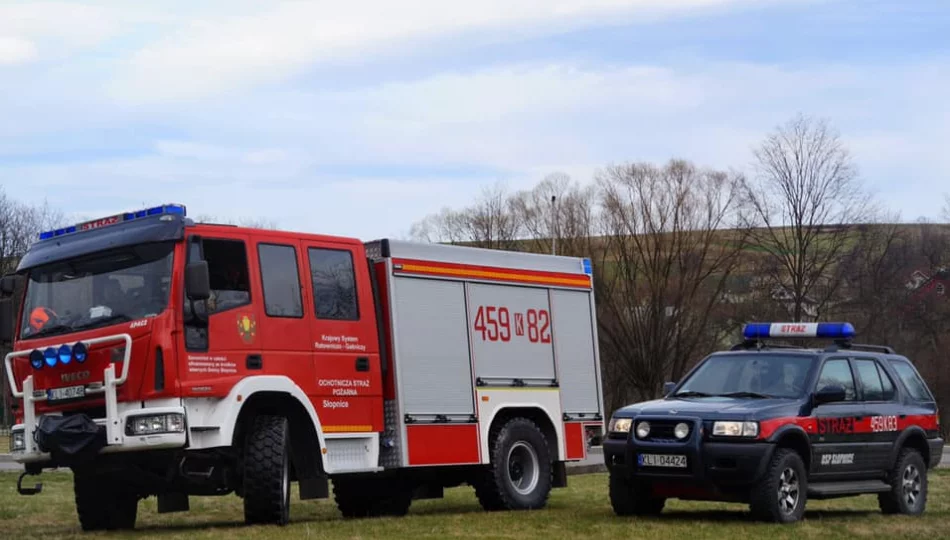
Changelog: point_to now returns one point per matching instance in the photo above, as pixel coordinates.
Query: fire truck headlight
(17, 442)
(155, 424)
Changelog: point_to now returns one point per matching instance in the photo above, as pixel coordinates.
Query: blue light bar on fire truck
(165, 209)
(798, 330)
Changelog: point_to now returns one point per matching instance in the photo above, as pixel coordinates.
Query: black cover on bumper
(70, 440)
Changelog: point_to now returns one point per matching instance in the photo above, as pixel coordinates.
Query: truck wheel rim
(788, 492)
(523, 468)
(911, 483)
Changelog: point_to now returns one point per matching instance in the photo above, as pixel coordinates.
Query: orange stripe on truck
(491, 273)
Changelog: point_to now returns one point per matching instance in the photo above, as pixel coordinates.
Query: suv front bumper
(710, 463)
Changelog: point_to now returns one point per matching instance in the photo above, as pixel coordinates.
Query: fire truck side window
(334, 284)
(281, 280)
(227, 265)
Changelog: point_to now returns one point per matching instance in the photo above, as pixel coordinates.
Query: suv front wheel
(781, 494)
(908, 480)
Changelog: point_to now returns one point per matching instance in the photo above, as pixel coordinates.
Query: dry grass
(580, 510)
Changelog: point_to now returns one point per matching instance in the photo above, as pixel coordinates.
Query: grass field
(4, 444)
(582, 510)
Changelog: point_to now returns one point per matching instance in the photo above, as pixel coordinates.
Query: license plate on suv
(661, 460)
(63, 394)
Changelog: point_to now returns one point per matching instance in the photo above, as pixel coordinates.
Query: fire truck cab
(156, 356)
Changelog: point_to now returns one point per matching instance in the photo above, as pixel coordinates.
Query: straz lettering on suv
(155, 356)
(772, 426)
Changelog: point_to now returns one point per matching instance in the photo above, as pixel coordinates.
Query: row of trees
(683, 256)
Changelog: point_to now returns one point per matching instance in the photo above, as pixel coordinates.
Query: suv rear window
(915, 385)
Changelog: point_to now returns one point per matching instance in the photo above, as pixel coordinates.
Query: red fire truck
(155, 356)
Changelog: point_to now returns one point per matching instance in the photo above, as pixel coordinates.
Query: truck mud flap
(70, 440)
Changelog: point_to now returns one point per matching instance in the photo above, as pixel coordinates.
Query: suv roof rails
(847, 345)
(761, 344)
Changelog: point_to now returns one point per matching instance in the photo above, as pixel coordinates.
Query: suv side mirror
(668, 387)
(6, 321)
(830, 394)
(197, 281)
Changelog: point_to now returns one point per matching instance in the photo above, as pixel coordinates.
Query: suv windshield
(97, 290)
(759, 375)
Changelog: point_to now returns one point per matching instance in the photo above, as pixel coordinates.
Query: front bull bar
(109, 385)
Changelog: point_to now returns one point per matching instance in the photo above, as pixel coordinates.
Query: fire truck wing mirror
(7, 285)
(6, 321)
(197, 280)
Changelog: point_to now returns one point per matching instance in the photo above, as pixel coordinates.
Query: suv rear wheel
(908, 480)
(781, 494)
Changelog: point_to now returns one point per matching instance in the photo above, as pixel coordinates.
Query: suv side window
(912, 381)
(837, 373)
(334, 284)
(228, 269)
(281, 280)
(871, 384)
(887, 384)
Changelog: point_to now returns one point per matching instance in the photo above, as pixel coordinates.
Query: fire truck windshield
(97, 290)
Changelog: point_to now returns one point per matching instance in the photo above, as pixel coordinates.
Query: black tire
(101, 505)
(908, 480)
(520, 476)
(364, 498)
(782, 493)
(267, 471)
(631, 498)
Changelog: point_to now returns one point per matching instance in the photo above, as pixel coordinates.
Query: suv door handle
(362, 364)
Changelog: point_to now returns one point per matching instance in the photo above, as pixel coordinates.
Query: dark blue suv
(774, 425)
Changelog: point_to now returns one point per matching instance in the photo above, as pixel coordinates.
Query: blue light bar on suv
(798, 330)
(174, 209)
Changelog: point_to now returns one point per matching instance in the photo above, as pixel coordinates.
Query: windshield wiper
(691, 393)
(50, 330)
(755, 395)
(104, 321)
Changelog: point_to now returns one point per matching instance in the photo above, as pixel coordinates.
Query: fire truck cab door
(283, 326)
(347, 380)
(221, 344)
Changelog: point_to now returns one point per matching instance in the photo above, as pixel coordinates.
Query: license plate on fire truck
(62, 394)
(660, 460)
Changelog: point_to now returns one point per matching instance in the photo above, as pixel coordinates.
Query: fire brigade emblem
(247, 327)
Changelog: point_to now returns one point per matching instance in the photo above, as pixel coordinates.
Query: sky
(359, 118)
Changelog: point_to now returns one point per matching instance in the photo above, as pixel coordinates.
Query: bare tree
(804, 198)
(666, 262)
(490, 222)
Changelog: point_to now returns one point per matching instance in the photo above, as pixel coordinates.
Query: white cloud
(15, 51)
(221, 54)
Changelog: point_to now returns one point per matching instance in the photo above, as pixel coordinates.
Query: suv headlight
(620, 425)
(736, 429)
(154, 424)
(17, 441)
